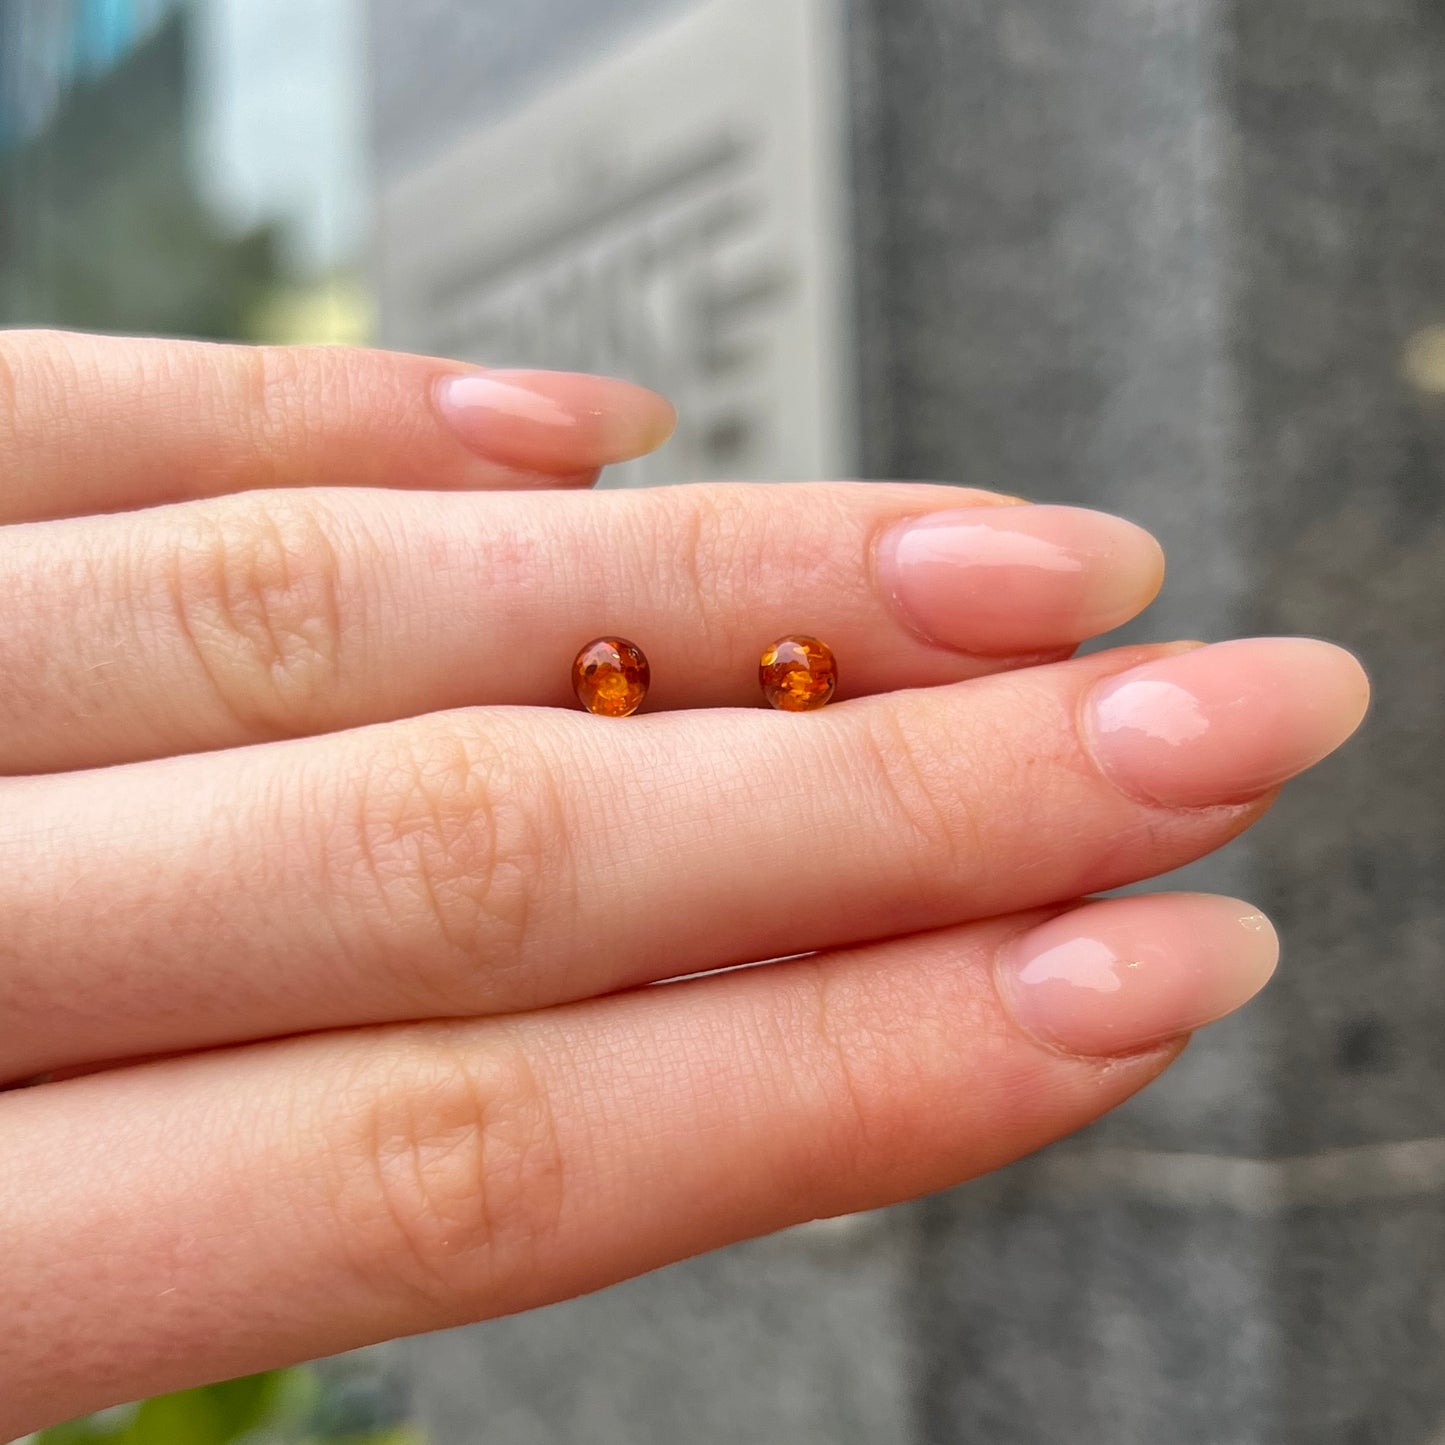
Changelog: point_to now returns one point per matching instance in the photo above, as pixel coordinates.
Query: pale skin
(328, 919)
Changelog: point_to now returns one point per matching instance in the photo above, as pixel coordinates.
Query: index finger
(105, 423)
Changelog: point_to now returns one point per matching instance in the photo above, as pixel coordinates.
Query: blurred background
(1181, 259)
(195, 169)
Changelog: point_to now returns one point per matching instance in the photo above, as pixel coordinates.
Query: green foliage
(284, 1407)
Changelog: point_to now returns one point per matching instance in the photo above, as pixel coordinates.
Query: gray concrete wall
(1176, 258)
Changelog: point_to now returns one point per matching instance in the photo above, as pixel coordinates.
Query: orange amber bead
(610, 677)
(798, 674)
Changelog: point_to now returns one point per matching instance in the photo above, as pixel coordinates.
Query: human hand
(334, 927)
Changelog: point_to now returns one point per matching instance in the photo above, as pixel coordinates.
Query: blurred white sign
(672, 213)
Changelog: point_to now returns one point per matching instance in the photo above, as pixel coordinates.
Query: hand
(293, 812)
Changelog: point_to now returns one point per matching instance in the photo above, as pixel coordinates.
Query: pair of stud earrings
(611, 675)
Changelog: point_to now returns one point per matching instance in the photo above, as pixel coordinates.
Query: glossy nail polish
(553, 421)
(1001, 580)
(1227, 723)
(1118, 976)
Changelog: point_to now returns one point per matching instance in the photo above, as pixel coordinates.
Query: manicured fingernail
(553, 421)
(1225, 723)
(1001, 580)
(1117, 976)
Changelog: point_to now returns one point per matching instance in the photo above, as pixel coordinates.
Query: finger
(103, 423)
(500, 861)
(258, 617)
(298, 1200)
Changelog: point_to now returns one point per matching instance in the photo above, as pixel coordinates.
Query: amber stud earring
(611, 677)
(798, 674)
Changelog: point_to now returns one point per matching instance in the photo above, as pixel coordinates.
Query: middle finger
(499, 859)
(244, 619)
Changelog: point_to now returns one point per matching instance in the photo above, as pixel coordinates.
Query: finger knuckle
(255, 588)
(840, 1059)
(461, 840)
(753, 547)
(919, 790)
(38, 375)
(288, 396)
(10, 368)
(279, 401)
(710, 556)
(450, 1178)
(293, 387)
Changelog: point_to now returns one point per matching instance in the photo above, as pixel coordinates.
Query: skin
(332, 927)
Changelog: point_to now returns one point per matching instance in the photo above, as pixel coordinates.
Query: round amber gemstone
(798, 674)
(610, 677)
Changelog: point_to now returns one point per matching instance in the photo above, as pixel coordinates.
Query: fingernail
(553, 421)
(1001, 580)
(1117, 976)
(1227, 723)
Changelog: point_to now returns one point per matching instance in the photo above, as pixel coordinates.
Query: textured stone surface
(1167, 257)
(1341, 196)
(1308, 1324)
(802, 1337)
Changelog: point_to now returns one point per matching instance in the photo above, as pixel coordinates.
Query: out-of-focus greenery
(284, 1407)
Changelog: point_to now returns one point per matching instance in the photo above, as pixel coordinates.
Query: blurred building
(183, 168)
(101, 224)
(672, 210)
(47, 47)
